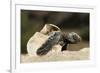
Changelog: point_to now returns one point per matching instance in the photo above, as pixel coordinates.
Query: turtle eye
(74, 37)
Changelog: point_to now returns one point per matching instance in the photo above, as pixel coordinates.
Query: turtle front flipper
(47, 46)
(64, 47)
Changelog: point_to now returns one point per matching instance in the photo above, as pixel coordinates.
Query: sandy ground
(82, 54)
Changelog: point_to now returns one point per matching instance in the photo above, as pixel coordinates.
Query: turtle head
(73, 38)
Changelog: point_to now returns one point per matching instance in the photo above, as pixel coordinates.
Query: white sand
(83, 54)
